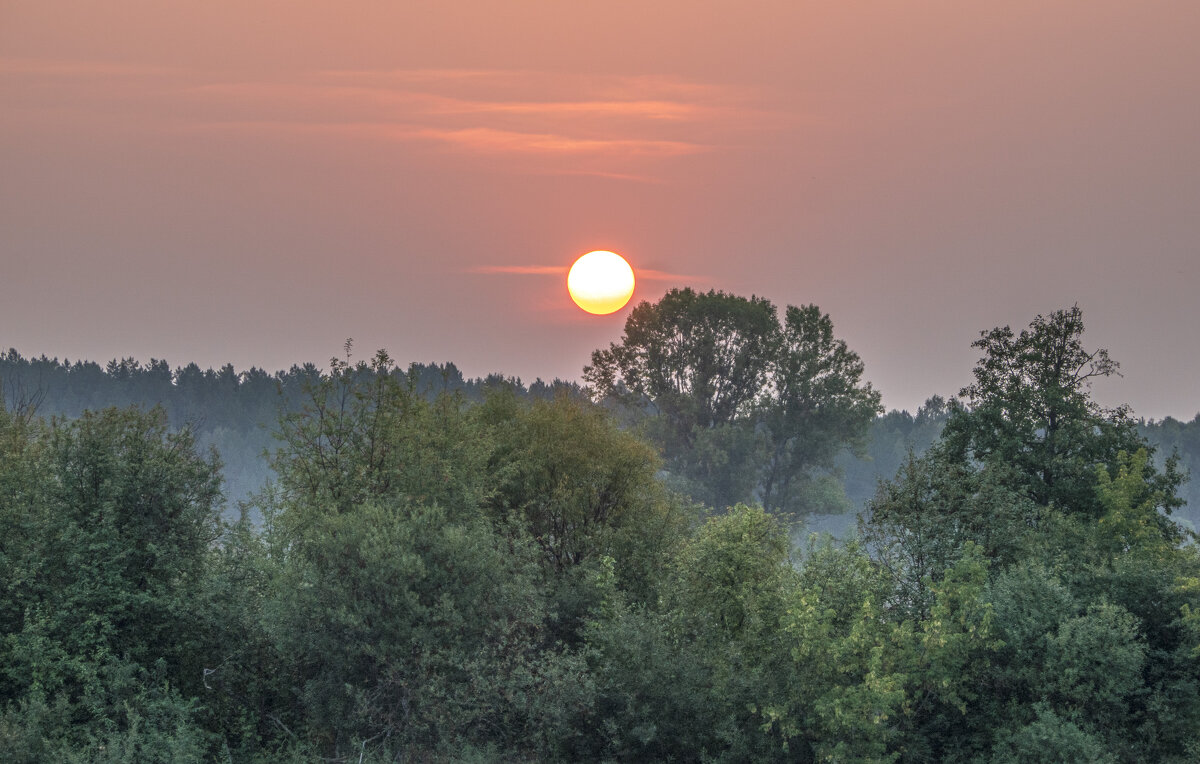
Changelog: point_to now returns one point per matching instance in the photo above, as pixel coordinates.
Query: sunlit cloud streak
(614, 127)
(488, 140)
(642, 274)
(663, 110)
(520, 270)
(435, 104)
(625, 87)
(649, 274)
(483, 140)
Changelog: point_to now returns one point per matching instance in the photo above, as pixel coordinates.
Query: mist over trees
(475, 570)
(237, 413)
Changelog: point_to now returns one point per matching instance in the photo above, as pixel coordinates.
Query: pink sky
(254, 182)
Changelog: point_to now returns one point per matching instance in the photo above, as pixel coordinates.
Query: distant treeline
(237, 413)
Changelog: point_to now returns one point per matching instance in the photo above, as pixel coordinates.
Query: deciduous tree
(742, 406)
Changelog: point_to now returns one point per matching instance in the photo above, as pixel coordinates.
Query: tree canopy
(1089, 575)
(1029, 407)
(444, 574)
(744, 407)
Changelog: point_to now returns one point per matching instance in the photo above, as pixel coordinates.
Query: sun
(600, 282)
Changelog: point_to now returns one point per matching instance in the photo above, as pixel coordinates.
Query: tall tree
(699, 360)
(1089, 573)
(1030, 407)
(742, 406)
(816, 406)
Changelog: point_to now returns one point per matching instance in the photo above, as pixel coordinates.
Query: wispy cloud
(647, 274)
(436, 104)
(657, 110)
(520, 270)
(486, 139)
(574, 84)
(615, 127)
(642, 274)
(619, 128)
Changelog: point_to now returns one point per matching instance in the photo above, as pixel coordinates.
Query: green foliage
(920, 522)
(816, 406)
(757, 659)
(398, 622)
(700, 359)
(233, 412)
(362, 434)
(1089, 574)
(741, 405)
(581, 487)
(874, 687)
(849, 685)
(111, 517)
(430, 557)
(733, 562)
(655, 697)
(1130, 502)
(1181, 440)
(150, 723)
(1029, 603)
(244, 693)
(718, 467)
(584, 491)
(681, 682)
(452, 577)
(1029, 409)
(1094, 663)
(1050, 739)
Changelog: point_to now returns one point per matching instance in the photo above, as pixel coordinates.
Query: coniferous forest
(373, 563)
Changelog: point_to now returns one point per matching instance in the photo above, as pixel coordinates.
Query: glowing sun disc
(600, 282)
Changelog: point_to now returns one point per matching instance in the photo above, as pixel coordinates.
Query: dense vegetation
(453, 570)
(741, 404)
(236, 414)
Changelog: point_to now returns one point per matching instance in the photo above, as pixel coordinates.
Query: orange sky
(254, 182)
